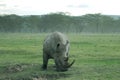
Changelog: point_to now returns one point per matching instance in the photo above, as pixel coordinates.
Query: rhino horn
(69, 65)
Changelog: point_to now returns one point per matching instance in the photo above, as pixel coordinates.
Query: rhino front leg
(57, 65)
(45, 61)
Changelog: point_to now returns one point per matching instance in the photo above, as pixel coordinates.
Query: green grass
(97, 57)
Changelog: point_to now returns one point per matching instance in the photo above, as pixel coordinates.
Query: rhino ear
(67, 42)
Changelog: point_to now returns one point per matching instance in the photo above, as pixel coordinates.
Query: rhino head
(62, 57)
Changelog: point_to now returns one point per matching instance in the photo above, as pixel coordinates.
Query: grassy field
(97, 57)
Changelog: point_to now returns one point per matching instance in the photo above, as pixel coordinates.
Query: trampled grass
(97, 57)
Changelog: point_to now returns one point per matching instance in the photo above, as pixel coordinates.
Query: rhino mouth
(65, 66)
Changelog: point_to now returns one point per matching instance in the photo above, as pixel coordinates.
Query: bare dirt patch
(30, 72)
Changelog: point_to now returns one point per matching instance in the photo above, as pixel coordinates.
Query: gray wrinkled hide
(56, 46)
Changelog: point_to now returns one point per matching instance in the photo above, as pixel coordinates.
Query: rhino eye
(58, 45)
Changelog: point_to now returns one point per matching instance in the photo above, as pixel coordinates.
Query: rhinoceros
(56, 46)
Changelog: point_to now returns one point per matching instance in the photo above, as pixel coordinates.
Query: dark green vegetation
(97, 57)
(89, 23)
